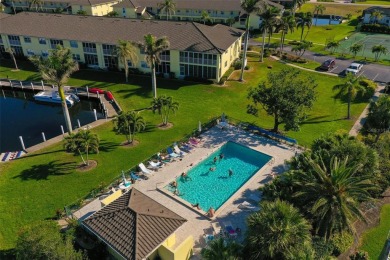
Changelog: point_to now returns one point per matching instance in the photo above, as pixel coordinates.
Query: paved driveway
(376, 72)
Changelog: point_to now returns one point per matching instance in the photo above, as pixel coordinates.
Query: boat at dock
(54, 97)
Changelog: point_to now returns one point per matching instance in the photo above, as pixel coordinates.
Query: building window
(163, 67)
(54, 43)
(144, 65)
(165, 56)
(198, 71)
(222, 12)
(45, 54)
(231, 13)
(91, 60)
(123, 10)
(30, 52)
(89, 47)
(42, 41)
(1, 40)
(27, 39)
(74, 44)
(110, 62)
(225, 64)
(76, 57)
(18, 50)
(129, 63)
(81, 7)
(14, 40)
(109, 49)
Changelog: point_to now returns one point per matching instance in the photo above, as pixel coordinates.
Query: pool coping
(231, 198)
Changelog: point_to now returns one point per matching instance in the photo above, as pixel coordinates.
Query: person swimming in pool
(174, 184)
(196, 205)
(212, 169)
(215, 159)
(221, 156)
(211, 212)
(230, 172)
(185, 177)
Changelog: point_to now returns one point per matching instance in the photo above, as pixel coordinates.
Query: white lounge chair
(230, 229)
(144, 169)
(178, 151)
(248, 206)
(155, 165)
(171, 153)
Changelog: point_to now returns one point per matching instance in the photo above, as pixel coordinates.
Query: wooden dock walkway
(111, 108)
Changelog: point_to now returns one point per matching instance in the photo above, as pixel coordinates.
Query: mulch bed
(165, 127)
(126, 144)
(84, 168)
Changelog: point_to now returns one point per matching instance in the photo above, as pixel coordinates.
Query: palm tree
(57, 69)
(113, 14)
(277, 231)
(355, 48)
(82, 12)
(286, 24)
(319, 9)
(268, 21)
(221, 250)
(351, 88)
(305, 20)
(126, 51)
(378, 118)
(332, 45)
(37, 3)
(153, 48)
(249, 6)
(205, 17)
(167, 6)
(375, 16)
(11, 52)
(333, 194)
(129, 123)
(164, 105)
(378, 50)
(88, 142)
(230, 21)
(297, 4)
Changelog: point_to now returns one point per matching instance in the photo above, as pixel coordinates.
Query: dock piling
(32, 86)
(43, 137)
(78, 122)
(10, 83)
(94, 112)
(21, 84)
(62, 130)
(22, 143)
(87, 92)
(43, 86)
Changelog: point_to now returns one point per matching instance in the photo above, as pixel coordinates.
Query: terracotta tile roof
(183, 36)
(134, 224)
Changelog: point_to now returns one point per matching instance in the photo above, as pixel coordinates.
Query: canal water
(21, 115)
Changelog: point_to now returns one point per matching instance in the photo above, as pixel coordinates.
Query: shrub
(222, 80)
(196, 79)
(293, 58)
(247, 67)
(267, 53)
(360, 255)
(172, 75)
(370, 87)
(322, 248)
(375, 28)
(237, 64)
(341, 242)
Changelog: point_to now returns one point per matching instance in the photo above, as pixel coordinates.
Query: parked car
(328, 64)
(354, 68)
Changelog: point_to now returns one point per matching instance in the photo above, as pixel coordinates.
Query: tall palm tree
(333, 194)
(378, 118)
(57, 69)
(319, 9)
(351, 88)
(129, 123)
(297, 4)
(305, 20)
(250, 7)
(126, 51)
(375, 16)
(88, 142)
(268, 20)
(164, 105)
(277, 231)
(167, 6)
(11, 52)
(230, 21)
(153, 48)
(205, 17)
(332, 45)
(378, 50)
(36, 3)
(286, 24)
(221, 250)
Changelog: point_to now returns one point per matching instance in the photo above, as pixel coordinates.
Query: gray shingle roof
(184, 36)
(134, 224)
(383, 10)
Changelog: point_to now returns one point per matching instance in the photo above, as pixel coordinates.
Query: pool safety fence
(104, 187)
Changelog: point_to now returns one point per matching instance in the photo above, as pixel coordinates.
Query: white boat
(54, 97)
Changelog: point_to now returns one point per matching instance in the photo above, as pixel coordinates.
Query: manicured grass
(375, 2)
(308, 65)
(335, 9)
(375, 239)
(33, 187)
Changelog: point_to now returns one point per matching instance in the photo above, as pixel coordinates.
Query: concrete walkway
(359, 123)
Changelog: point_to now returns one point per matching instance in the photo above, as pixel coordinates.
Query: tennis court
(368, 40)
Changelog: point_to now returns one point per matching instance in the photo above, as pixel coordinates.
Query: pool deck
(229, 212)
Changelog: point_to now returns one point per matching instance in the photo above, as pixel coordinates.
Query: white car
(354, 68)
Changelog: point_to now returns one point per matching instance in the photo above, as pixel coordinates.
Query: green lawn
(335, 9)
(368, 2)
(374, 240)
(33, 187)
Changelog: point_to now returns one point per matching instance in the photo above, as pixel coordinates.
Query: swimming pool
(325, 21)
(214, 188)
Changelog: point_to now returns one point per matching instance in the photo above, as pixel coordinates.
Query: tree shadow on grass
(317, 120)
(106, 146)
(43, 171)
(38, 154)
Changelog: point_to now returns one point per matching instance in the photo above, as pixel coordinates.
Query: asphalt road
(376, 72)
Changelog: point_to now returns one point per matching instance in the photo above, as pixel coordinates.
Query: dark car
(328, 64)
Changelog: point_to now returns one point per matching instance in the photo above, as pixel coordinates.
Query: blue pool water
(213, 188)
(325, 21)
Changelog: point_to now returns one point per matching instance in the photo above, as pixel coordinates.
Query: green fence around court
(368, 40)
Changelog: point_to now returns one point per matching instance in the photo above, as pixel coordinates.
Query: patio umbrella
(124, 178)
(200, 127)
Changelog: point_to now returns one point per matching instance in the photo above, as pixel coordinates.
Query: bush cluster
(293, 58)
(370, 87)
(196, 79)
(376, 28)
